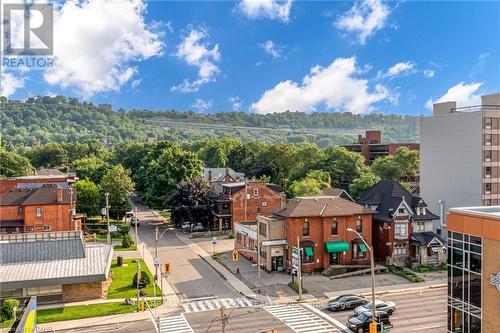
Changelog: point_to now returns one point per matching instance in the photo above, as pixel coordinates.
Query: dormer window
(401, 210)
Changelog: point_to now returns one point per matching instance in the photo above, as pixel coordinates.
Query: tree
(321, 176)
(192, 201)
(118, 184)
(362, 183)
(51, 155)
(14, 165)
(144, 281)
(91, 168)
(343, 166)
(403, 164)
(89, 198)
(305, 187)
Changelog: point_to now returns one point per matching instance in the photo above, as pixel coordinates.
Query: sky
(394, 57)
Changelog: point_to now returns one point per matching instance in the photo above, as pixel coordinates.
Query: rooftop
(321, 206)
(45, 194)
(484, 211)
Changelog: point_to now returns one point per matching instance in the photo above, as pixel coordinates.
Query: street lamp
(373, 325)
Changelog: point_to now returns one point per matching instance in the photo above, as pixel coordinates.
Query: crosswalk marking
(300, 320)
(176, 324)
(213, 304)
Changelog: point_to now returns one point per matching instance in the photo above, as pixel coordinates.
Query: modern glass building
(474, 270)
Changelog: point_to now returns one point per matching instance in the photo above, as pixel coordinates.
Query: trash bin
(119, 260)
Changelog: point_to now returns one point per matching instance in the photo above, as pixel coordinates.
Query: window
(487, 202)
(487, 172)
(19, 210)
(38, 211)
(305, 229)
(487, 188)
(359, 225)
(418, 211)
(46, 228)
(258, 210)
(419, 226)
(263, 229)
(358, 251)
(308, 254)
(401, 229)
(400, 250)
(401, 210)
(487, 155)
(255, 192)
(487, 139)
(335, 230)
(29, 228)
(263, 251)
(487, 123)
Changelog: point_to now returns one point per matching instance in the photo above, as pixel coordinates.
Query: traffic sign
(113, 228)
(157, 262)
(214, 240)
(235, 255)
(295, 258)
(167, 267)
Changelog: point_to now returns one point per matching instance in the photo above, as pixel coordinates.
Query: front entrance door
(334, 258)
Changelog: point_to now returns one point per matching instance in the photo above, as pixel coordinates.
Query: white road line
(327, 317)
(177, 324)
(299, 319)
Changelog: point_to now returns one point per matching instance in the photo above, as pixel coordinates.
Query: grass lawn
(121, 248)
(121, 286)
(83, 311)
(6, 323)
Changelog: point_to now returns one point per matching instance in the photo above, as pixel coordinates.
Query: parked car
(346, 302)
(385, 306)
(186, 226)
(198, 227)
(361, 322)
(135, 221)
(129, 214)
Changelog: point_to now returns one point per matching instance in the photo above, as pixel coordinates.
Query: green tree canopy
(305, 187)
(89, 199)
(119, 185)
(91, 168)
(359, 185)
(192, 201)
(403, 164)
(50, 155)
(343, 166)
(14, 165)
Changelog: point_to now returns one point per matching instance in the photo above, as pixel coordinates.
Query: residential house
(402, 225)
(43, 176)
(243, 201)
(218, 176)
(55, 267)
(337, 192)
(319, 226)
(49, 207)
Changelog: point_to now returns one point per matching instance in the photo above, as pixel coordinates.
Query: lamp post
(373, 325)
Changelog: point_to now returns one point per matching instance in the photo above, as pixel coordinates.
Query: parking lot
(422, 311)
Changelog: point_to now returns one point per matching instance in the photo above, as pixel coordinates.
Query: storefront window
(305, 229)
(334, 228)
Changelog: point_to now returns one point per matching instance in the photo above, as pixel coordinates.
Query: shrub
(230, 235)
(143, 293)
(295, 286)
(143, 282)
(8, 308)
(127, 242)
(404, 273)
(124, 229)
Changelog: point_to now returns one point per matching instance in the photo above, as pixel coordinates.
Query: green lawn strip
(7, 323)
(83, 311)
(121, 285)
(121, 248)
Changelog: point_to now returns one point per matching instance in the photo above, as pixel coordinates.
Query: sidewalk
(89, 302)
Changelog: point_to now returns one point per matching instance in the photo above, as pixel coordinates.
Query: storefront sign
(295, 258)
(495, 280)
(274, 242)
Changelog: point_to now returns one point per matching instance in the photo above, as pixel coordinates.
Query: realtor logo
(495, 280)
(28, 29)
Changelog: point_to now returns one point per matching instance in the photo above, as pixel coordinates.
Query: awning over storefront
(362, 247)
(338, 246)
(309, 251)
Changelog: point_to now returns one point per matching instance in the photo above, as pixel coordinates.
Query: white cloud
(272, 49)
(202, 105)
(335, 86)
(272, 9)
(236, 103)
(95, 41)
(364, 18)
(429, 73)
(197, 53)
(9, 84)
(135, 84)
(465, 94)
(399, 69)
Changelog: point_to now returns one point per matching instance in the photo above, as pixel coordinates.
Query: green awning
(309, 251)
(362, 247)
(338, 246)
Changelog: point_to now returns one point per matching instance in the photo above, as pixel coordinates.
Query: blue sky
(269, 56)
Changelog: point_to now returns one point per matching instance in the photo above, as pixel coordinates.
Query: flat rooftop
(484, 211)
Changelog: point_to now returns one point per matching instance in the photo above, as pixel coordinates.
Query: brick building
(45, 208)
(44, 176)
(402, 225)
(243, 201)
(473, 269)
(320, 224)
(55, 266)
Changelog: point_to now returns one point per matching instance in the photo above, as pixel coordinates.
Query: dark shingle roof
(388, 194)
(46, 194)
(337, 192)
(324, 206)
(424, 238)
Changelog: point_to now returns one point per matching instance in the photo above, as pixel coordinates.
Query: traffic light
(167, 267)
(236, 255)
(373, 327)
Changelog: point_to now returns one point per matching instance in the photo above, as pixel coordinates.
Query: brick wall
(266, 199)
(57, 216)
(85, 291)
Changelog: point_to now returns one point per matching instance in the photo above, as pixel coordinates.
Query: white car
(385, 306)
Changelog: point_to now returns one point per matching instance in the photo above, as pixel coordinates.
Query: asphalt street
(145, 326)
(190, 276)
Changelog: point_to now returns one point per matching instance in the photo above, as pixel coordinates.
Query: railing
(40, 236)
(474, 108)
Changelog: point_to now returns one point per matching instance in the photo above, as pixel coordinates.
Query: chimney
(360, 138)
(209, 175)
(59, 194)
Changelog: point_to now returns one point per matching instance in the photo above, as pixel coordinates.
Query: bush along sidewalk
(295, 286)
(430, 268)
(405, 273)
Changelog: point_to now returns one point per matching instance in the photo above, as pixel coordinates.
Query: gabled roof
(236, 187)
(321, 206)
(337, 192)
(46, 194)
(218, 174)
(387, 195)
(425, 238)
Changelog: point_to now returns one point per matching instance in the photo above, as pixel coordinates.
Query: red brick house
(402, 225)
(44, 176)
(320, 225)
(243, 201)
(46, 208)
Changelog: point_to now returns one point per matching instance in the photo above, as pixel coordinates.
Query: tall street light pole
(373, 325)
(106, 195)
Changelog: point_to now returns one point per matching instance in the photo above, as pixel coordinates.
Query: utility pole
(137, 282)
(299, 269)
(106, 195)
(258, 251)
(136, 237)
(245, 199)
(223, 319)
(71, 215)
(156, 265)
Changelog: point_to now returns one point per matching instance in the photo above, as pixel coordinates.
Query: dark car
(361, 322)
(135, 221)
(346, 302)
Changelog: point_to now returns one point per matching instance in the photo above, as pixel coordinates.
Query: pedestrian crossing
(299, 319)
(176, 324)
(217, 303)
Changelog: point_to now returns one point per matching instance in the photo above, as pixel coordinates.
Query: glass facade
(464, 283)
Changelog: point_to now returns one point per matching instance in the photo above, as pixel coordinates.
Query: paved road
(416, 312)
(191, 277)
(145, 326)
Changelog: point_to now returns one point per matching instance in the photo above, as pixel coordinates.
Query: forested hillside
(69, 120)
